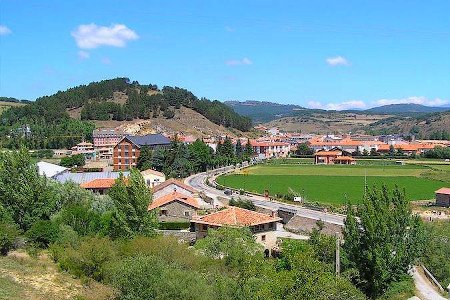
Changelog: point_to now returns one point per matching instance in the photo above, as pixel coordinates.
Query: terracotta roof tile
(173, 181)
(443, 191)
(344, 158)
(235, 216)
(174, 196)
(328, 153)
(99, 183)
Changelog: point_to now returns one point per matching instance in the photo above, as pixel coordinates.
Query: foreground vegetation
(111, 242)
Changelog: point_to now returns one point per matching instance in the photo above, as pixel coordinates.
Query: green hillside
(52, 126)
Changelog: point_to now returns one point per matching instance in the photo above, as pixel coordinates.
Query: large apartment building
(104, 141)
(126, 152)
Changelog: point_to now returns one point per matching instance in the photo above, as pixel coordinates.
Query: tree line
(51, 126)
(181, 160)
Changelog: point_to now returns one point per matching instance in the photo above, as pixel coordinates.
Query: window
(205, 227)
(149, 181)
(263, 238)
(187, 214)
(163, 212)
(270, 225)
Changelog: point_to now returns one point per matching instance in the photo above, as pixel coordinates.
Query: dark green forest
(52, 127)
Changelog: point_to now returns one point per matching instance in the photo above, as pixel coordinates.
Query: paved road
(425, 288)
(198, 181)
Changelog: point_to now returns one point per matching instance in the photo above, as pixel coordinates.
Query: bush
(403, 289)
(147, 277)
(8, 235)
(42, 233)
(174, 225)
(88, 258)
(242, 203)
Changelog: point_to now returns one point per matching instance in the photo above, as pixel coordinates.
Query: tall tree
(131, 198)
(248, 149)
(144, 161)
(25, 194)
(239, 150)
(385, 242)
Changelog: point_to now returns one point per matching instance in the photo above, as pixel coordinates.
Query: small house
(175, 207)
(443, 197)
(152, 178)
(171, 185)
(263, 226)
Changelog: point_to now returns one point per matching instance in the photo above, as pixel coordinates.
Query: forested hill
(50, 120)
(143, 101)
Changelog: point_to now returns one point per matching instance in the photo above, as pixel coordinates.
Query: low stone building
(174, 207)
(263, 226)
(443, 197)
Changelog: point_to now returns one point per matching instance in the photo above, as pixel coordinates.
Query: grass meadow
(335, 184)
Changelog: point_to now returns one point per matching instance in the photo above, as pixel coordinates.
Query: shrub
(174, 225)
(8, 235)
(86, 259)
(42, 233)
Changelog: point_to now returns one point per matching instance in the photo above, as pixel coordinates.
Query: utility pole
(338, 259)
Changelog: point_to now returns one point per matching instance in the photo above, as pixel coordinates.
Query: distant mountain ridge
(405, 108)
(263, 111)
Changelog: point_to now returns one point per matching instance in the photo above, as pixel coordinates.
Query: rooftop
(235, 216)
(99, 183)
(154, 172)
(80, 178)
(328, 153)
(443, 190)
(175, 182)
(174, 196)
(49, 170)
(148, 140)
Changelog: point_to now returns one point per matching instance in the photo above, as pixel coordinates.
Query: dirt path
(424, 287)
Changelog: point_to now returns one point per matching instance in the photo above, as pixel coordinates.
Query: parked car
(227, 192)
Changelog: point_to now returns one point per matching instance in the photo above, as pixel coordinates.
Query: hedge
(174, 225)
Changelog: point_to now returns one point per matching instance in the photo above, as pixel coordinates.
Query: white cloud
(415, 100)
(4, 30)
(239, 62)
(83, 55)
(89, 36)
(351, 104)
(337, 61)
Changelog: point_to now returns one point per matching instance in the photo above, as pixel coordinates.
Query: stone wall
(176, 212)
(303, 225)
(181, 235)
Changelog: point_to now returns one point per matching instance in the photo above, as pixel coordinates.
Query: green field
(333, 184)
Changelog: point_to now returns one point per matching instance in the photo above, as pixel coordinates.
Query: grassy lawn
(388, 170)
(335, 184)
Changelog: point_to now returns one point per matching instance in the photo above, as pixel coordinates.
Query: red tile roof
(344, 158)
(235, 216)
(99, 183)
(174, 196)
(443, 191)
(328, 153)
(173, 181)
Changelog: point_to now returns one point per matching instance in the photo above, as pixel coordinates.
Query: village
(193, 207)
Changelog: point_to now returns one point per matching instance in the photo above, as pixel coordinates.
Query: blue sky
(325, 54)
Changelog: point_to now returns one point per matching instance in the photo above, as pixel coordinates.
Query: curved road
(198, 182)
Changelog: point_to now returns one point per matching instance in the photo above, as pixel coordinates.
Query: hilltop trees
(384, 242)
(49, 117)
